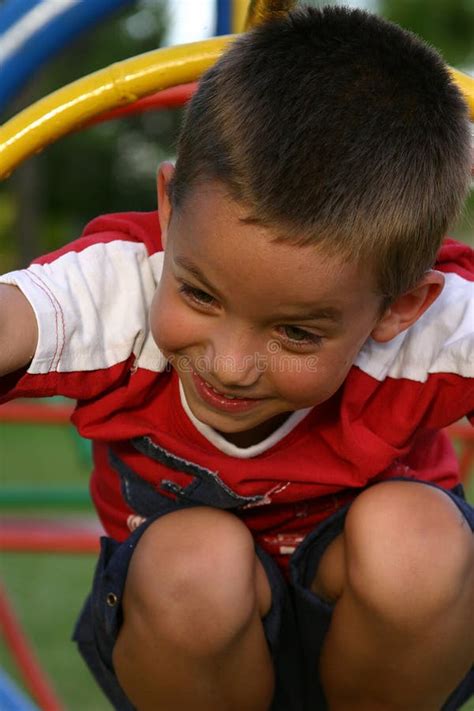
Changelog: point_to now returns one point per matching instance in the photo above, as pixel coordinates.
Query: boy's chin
(244, 426)
(245, 436)
(226, 423)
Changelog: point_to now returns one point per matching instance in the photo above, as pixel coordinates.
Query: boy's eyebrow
(309, 313)
(190, 267)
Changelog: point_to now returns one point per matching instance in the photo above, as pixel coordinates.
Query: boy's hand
(134, 521)
(18, 330)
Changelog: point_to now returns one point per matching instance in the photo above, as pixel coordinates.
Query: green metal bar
(54, 497)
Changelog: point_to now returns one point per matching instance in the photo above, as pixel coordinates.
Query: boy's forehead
(210, 218)
(213, 240)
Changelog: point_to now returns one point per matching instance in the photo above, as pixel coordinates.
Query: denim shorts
(295, 626)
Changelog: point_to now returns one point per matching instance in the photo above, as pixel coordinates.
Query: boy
(281, 372)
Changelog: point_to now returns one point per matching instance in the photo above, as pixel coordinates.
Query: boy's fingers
(134, 521)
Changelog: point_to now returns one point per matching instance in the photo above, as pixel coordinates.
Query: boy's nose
(230, 374)
(235, 361)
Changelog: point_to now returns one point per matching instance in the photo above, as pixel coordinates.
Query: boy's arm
(75, 322)
(18, 330)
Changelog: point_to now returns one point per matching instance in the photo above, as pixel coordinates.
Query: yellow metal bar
(120, 83)
(466, 83)
(262, 10)
(239, 14)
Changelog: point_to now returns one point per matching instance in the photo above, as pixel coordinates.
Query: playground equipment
(125, 87)
(31, 31)
(123, 83)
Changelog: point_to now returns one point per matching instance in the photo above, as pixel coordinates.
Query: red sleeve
(423, 378)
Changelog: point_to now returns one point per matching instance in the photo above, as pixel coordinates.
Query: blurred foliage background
(112, 167)
(106, 168)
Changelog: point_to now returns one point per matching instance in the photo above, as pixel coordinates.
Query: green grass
(468, 706)
(37, 454)
(48, 590)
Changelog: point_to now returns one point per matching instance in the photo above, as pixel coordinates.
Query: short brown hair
(337, 127)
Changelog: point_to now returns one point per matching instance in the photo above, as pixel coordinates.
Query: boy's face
(254, 328)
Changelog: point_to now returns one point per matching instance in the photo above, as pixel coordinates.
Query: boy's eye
(197, 295)
(299, 337)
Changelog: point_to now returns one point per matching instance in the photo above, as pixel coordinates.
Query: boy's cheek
(159, 323)
(172, 329)
(314, 381)
(162, 324)
(307, 393)
(164, 332)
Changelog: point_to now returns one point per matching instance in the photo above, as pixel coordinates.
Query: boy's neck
(256, 434)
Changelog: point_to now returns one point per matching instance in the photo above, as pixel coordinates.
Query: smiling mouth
(229, 396)
(219, 400)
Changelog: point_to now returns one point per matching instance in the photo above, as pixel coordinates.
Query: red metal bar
(41, 413)
(165, 99)
(27, 411)
(35, 412)
(22, 535)
(35, 679)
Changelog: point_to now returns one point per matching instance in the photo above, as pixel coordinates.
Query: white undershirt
(243, 452)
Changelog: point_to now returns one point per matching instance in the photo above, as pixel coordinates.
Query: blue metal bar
(224, 17)
(11, 698)
(23, 50)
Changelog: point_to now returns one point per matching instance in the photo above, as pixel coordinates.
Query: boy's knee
(409, 552)
(195, 579)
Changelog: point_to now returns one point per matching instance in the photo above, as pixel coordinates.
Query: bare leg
(401, 638)
(192, 636)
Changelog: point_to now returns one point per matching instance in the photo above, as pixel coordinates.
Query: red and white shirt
(91, 299)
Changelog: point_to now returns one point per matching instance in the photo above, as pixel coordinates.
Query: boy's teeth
(229, 397)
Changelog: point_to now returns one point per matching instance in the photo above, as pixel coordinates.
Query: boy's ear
(165, 174)
(408, 307)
